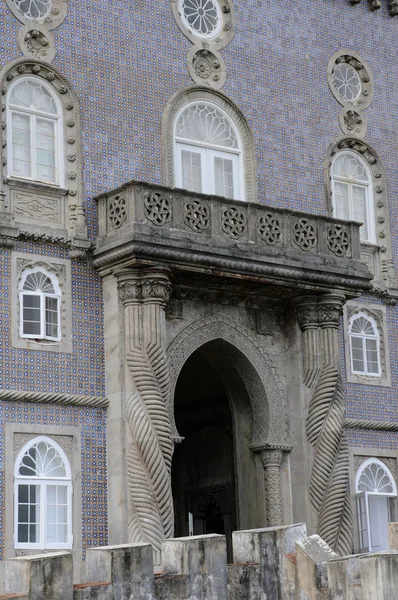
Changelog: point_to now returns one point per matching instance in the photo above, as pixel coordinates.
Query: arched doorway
(213, 471)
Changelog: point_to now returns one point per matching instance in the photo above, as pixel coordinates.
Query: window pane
(358, 363)
(224, 177)
(28, 514)
(191, 171)
(45, 148)
(21, 145)
(372, 356)
(31, 314)
(52, 317)
(359, 209)
(57, 514)
(62, 534)
(341, 199)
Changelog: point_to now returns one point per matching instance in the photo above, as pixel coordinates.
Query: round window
(202, 17)
(33, 9)
(347, 82)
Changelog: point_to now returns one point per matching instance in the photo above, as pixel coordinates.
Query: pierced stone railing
(201, 223)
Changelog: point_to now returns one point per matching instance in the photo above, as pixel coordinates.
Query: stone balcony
(202, 236)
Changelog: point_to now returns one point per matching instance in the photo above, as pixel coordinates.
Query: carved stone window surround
(62, 269)
(378, 312)
(191, 95)
(381, 264)
(223, 34)
(355, 62)
(71, 187)
(69, 439)
(50, 21)
(357, 455)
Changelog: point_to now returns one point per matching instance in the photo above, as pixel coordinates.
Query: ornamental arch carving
(216, 97)
(241, 348)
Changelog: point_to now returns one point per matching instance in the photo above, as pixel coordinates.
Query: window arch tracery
(206, 123)
(375, 490)
(40, 305)
(364, 345)
(42, 496)
(207, 151)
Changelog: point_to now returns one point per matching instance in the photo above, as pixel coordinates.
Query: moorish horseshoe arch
(268, 402)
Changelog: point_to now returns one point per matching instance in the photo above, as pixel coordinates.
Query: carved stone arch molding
(60, 217)
(195, 93)
(268, 402)
(378, 257)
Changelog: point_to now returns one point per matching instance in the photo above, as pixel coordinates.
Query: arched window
(40, 302)
(34, 119)
(208, 156)
(376, 490)
(364, 345)
(42, 496)
(352, 193)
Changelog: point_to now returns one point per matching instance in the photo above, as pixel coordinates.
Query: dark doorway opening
(203, 472)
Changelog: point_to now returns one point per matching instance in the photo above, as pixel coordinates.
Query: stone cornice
(53, 398)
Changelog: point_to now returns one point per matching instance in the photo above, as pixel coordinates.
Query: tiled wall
(125, 60)
(92, 422)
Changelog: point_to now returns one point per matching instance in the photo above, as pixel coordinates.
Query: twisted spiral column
(144, 296)
(329, 491)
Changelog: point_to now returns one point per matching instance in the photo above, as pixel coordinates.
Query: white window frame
(363, 337)
(33, 114)
(43, 483)
(350, 183)
(365, 495)
(57, 295)
(209, 152)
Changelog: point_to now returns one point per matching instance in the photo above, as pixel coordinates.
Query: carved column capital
(330, 310)
(151, 286)
(307, 312)
(156, 286)
(271, 458)
(130, 286)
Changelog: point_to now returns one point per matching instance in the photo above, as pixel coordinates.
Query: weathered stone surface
(273, 549)
(203, 560)
(379, 573)
(41, 577)
(393, 535)
(344, 578)
(312, 554)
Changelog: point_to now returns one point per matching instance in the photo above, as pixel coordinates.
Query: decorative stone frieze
(144, 294)
(197, 216)
(305, 235)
